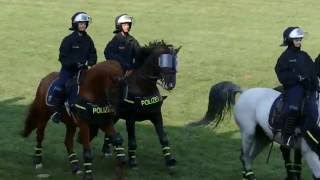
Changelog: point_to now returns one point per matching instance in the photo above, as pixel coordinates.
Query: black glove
(81, 66)
(91, 63)
(306, 83)
(301, 78)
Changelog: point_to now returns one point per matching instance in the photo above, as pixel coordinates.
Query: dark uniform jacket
(317, 64)
(292, 63)
(76, 49)
(123, 49)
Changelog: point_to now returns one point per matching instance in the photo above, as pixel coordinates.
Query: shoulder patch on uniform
(292, 60)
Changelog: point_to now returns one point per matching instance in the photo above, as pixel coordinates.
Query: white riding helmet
(291, 33)
(296, 33)
(82, 17)
(123, 18)
(79, 17)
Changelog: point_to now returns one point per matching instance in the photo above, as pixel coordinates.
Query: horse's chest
(141, 104)
(94, 113)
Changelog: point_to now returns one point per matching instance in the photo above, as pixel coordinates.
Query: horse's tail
(30, 122)
(221, 100)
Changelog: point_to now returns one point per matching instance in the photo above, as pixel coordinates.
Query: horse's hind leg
(312, 159)
(260, 141)
(158, 124)
(248, 140)
(37, 157)
(87, 151)
(74, 162)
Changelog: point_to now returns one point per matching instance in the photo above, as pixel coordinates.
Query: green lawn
(235, 40)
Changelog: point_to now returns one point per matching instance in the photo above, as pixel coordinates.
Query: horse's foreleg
(68, 141)
(297, 166)
(312, 159)
(293, 169)
(37, 158)
(107, 146)
(158, 124)
(287, 161)
(87, 152)
(132, 144)
(117, 140)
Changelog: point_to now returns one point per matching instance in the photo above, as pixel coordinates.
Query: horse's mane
(149, 48)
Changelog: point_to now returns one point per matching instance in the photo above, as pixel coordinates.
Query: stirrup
(289, 142)
(56, 117)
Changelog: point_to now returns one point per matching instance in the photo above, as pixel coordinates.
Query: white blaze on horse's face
(168, 66)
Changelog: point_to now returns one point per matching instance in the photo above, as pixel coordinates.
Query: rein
(152, 79)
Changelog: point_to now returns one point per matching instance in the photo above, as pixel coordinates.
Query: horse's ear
(178, 49)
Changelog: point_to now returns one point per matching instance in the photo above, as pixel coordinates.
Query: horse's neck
(141, 85)
(93, 86)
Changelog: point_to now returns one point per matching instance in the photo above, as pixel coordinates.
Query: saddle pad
(275, 121)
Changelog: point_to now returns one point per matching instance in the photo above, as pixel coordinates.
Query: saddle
(276, 123)
(276, 116)
(71, 90)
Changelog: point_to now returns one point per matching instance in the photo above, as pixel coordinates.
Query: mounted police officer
(123, 47)
(77, 51)
(296, 72)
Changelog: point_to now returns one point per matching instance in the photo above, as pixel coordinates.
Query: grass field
(235, 40)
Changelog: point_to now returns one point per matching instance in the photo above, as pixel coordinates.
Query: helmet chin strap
(124, 33)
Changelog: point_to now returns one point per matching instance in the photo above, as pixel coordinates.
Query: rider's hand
(301, 78)
(128, 73)
(81, 66)
(306, 83)
(91, 63)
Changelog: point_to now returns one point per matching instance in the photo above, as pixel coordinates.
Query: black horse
(141, 99)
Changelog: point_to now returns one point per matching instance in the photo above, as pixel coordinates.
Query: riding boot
(288, 132)
(57, 105)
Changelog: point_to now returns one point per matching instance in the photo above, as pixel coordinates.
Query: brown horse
(99, 83)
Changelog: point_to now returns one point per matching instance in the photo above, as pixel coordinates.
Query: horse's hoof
(132, 163)
(122, 160)
(251, 177)
(43, 176)
(171, 162)
(78, 172)
(248, 175)
(88, 177)
(292, 177)
(107, 155)
(107, 150)
(75, 169)
(171, 170)
(38, 166)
